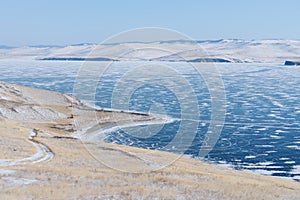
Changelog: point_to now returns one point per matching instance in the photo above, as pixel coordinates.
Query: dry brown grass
(75, 174)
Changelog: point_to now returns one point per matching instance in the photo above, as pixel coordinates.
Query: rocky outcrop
(291, 63)
(215, 60)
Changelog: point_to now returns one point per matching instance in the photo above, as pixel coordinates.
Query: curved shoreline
(112, 127)
(73, 173)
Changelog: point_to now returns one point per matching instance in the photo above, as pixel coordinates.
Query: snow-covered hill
(268, 51)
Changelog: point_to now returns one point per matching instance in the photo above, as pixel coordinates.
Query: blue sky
(61, 22)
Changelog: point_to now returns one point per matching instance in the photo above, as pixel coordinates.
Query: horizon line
(5, 46)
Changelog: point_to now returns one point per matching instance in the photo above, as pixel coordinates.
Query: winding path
(43, 154)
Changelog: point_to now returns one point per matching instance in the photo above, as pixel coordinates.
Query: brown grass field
(91, 170)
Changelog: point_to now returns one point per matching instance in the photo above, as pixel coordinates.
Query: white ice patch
(271, 152)
(264, 138)
(296, 170)
(264, 146)
(225, 164)
(280, 131)
(250, 157)
(293, 147)
(265, 163)
(284, 158)
(276, 137)
(276, 103)
(296, 177)
(289, 162)
(275, 116)
(262, 129)
(262, 154)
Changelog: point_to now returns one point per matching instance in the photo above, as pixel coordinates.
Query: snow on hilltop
(233, 50)
(22, 103)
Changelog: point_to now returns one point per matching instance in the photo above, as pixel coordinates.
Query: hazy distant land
(232, 50)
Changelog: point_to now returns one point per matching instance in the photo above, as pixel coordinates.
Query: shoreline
(109, 127)
(94, 137)
(74, 173)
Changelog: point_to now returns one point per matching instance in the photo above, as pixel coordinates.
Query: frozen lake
(261, 132)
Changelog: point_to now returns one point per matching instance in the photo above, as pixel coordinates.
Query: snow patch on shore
(28, 112)
(100, 134)
(13, 181)
(4, 172)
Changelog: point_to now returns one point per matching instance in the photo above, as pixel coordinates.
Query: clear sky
(61, 22)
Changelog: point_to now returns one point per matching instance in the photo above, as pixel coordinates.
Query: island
(292, 63)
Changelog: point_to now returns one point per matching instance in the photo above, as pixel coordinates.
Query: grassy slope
(74, 173)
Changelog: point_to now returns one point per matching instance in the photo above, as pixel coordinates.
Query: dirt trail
(44, 154)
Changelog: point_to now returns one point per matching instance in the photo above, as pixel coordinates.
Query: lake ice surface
(261, 132)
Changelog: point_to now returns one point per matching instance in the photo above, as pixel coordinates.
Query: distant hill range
(232, 51)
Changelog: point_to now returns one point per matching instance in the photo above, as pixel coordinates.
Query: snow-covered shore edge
(73, 173)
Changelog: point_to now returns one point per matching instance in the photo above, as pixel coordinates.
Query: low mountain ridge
(233, 50)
